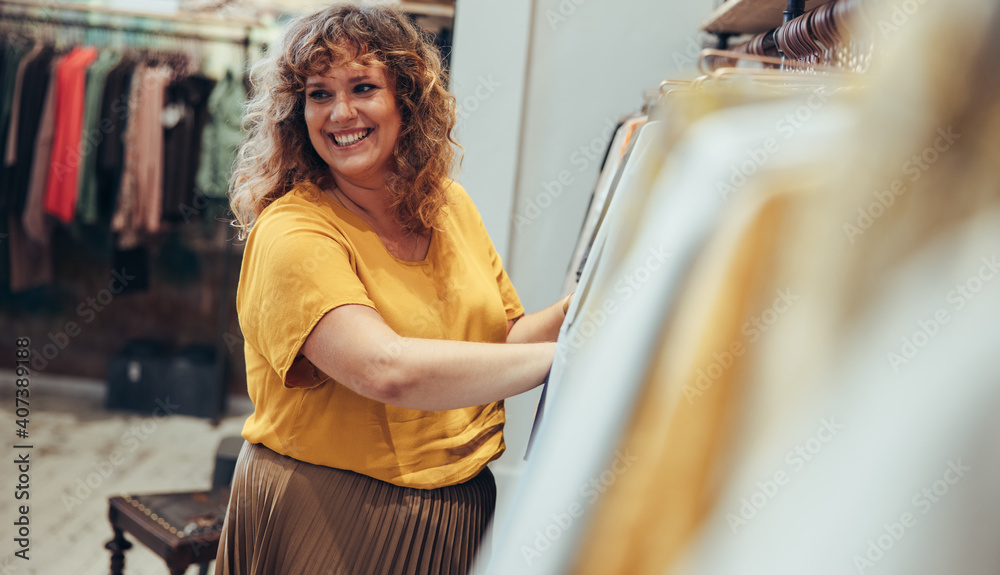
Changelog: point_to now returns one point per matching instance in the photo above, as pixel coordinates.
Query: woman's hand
(539, 326)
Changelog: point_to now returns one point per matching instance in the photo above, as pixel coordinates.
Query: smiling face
(353, 122)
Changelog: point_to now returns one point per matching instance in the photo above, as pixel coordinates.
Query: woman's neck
(397, 241)
(371, 198)
(372, 205)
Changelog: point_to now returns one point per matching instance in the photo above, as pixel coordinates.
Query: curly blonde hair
(277, 155)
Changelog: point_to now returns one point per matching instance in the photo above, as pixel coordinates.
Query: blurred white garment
(614, 333)
(643, 153)
(894, 468)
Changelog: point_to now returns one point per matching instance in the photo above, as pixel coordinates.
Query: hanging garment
(222, 137)
(630, 175)
(692, 390)
(36, 224)
(20, 158)
(96, 129)
(599, 207)
(61, 187)
(886, 471)
(694, 464)
(101, 192)
(30, 262)
(10, 154)
(4, 48)
(30, 233)
(126, 218)
(150, 181)
(140, 198)
(614, 158)
(184, 118)
(617, 228)
(908, 244)
(595, 400)
(14, 52)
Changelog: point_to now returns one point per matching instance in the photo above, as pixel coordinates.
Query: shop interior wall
(488, 78)
(590, 63)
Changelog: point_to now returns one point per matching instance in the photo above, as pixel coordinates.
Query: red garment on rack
(60, 192)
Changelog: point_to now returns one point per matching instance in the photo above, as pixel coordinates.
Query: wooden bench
(182, 528)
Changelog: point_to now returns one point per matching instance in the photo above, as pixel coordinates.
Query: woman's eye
(317, 95)
(364, 88)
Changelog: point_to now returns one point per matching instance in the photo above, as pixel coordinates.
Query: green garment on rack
(93, 133)
(222, 137)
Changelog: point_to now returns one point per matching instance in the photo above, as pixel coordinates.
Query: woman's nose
(343, 110)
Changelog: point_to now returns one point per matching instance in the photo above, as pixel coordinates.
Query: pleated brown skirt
(287, 517)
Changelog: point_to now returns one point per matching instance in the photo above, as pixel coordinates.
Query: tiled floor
(74, 440)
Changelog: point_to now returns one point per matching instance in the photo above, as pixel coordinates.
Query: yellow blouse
(307, 255)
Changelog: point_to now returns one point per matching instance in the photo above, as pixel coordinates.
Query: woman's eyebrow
(313, 80)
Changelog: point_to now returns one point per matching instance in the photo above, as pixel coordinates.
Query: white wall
(488, 79)
(590, 62)
(488, 73)
(552, 77)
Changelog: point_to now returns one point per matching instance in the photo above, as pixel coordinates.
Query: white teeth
(351, 138)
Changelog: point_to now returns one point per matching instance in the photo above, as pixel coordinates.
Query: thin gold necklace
(416, 245)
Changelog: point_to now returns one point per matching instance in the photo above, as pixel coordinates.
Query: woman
(382, 333)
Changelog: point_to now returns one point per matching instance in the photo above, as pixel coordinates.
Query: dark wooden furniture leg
(117, 546)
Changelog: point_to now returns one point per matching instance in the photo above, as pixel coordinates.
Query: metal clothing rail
(183, 18)
(76, 16)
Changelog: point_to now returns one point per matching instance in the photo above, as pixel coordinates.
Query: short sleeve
(511, 301)
(296, 268)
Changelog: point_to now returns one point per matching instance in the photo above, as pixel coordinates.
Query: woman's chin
(360, 171)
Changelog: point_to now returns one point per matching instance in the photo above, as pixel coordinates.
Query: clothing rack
(755, 16)
(230, 30)
(809, 36)
(76, 16)
(795, 9)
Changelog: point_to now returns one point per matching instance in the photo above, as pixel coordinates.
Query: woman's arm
(353, 345)
(539, 326)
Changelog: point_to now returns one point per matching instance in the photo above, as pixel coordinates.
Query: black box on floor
(147, 377)
(196, 383)
(135, 376)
